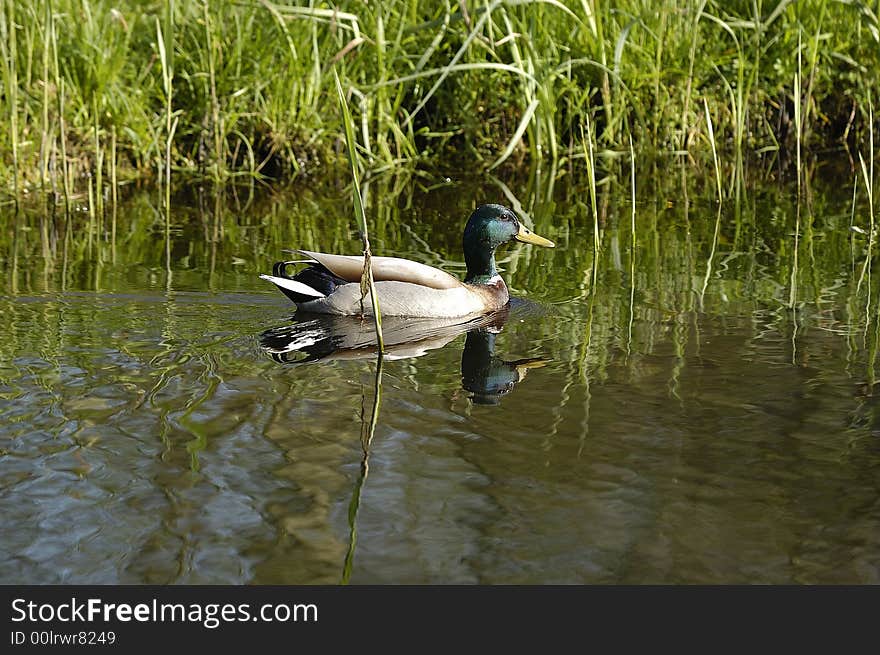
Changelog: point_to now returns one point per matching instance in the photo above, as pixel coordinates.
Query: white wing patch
(293, 285)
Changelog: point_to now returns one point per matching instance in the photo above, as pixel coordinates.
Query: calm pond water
(678, 423)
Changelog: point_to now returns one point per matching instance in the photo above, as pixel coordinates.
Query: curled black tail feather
(314, 275)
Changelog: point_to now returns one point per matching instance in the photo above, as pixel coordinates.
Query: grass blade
(367, 283)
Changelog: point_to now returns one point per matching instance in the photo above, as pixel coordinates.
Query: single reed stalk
(165, 56)
(714, 149)
(587, 144)
(591, 174)
(16, 235)
(367, 283)
(10, 56)
(792, 283)
(869, 172)
(67, 189)
(99, 166)
(65, 169)
(65, 250)
(45, 145)
(219, 159)
(852, 226)
(168, 143)
(792, 291)
(798, 115)
(113, 194)
(632, 257)
(711, 131)
(92, 222)
(868, 179)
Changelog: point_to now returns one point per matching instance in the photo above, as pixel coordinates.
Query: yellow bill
(527, 236)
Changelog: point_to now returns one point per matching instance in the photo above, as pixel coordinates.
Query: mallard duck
(330, 284)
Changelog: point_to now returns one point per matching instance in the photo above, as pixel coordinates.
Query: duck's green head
(487, 228)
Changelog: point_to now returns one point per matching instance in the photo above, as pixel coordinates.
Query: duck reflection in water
(484, 374)
(488, 377)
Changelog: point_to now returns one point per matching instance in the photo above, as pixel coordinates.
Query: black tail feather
(314, 275)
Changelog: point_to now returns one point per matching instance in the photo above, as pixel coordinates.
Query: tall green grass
(476, 84)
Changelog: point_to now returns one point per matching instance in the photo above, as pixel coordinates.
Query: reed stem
(114, 198)
(632, 236)
(367, 283)
(591, 177)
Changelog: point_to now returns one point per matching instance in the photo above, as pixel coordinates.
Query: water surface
(698, 405)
